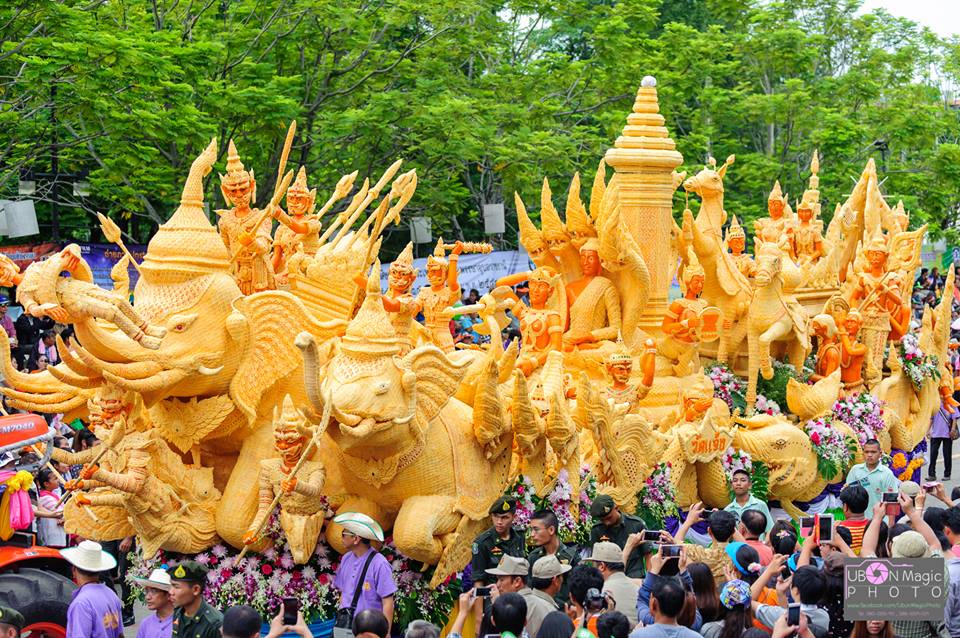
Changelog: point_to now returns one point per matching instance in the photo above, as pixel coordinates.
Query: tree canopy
(482, 98)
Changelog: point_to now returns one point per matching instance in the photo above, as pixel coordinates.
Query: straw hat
(90, 557)
(158, 579)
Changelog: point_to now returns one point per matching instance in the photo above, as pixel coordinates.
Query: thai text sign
(894, 589)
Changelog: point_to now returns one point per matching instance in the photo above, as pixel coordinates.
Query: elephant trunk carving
(311, 369)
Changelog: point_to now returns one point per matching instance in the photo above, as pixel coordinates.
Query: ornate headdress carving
(237, 176)
(370, 333)
(546, 275)
(735, 230)
(878, 242)
(901, 215)
(591, 244)
(288, 420)
(439, 256)
(619, 354)
(299, 187)
(692, 267)
(404, 261)
(776, 195)
(187, 245)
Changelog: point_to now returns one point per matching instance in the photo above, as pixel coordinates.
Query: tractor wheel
(41, 596)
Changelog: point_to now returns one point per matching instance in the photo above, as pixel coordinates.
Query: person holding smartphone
(806, 586)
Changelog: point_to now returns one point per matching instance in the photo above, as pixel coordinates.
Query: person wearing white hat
(364, 577)
(608, 558)
(156, 589)
(95, 611)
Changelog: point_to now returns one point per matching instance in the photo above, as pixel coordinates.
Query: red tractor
(34, 580)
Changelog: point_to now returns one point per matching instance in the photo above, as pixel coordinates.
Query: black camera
(595, 600)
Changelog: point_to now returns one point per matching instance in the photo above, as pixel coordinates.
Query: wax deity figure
(594, 303)
(806, 241)
(299, 231)
(301, 510)
(737, 242)
(443, 291)
(779, 225)
(619, 368)
(688, 322)
(828, 347)
(873, 292)
(251, 266)
(541, 322)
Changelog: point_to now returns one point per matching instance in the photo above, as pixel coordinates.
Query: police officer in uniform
(192, 616)
(498, 541)
(613, 526)
(543, 531)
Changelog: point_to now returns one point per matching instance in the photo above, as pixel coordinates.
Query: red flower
(815, 437)
(226, 574)
(267, 570)
(323, 579)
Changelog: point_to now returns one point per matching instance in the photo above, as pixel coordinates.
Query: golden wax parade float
(262, 377)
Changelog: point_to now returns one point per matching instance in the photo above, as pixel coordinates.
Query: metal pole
(55, 168)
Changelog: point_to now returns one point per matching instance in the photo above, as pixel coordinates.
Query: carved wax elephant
(399, 447)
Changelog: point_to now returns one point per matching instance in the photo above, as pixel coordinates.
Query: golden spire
(550, 223)
(234, 165)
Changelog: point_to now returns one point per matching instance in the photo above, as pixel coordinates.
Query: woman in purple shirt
(940, 427)
(378, 587)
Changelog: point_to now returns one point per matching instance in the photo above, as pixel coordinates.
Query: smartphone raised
(890, 497)
(482, 592)
(651, 535)
(290, 608)
(793, 615)
(825, 529)
(807, 523)
(930, 486)
(785, 572)
(671, 551)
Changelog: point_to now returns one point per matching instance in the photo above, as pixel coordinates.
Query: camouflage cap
(189, 571)
(503, 505)
(12, 617)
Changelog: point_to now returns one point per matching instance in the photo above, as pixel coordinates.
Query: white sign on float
(476, 270)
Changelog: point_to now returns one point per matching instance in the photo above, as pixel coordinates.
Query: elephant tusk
(66, 375)
(132, 371)
(39, 399)
(349, 420)
(159, 381)
(70, 359)
(53, 408)
(209, 372)
(403, 420)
